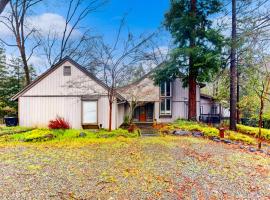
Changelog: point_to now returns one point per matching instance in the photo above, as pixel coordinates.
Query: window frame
(167, 99)
(65, 72)
(165, 89)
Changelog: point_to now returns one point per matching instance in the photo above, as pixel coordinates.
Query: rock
(216, 140)
(182, 133)
(242, 147)
(197, 134)
(260, 150)
(226, 141)
(251, 149)
(82, 134)
(49, 136)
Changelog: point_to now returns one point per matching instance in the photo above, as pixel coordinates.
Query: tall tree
(16, 23)
(199, 46)
(233, 71)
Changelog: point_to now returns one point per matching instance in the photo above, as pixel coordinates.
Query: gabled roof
(206, 96)
(148, 74)
(53, 68)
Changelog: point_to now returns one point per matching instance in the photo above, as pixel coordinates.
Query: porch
(144, 114)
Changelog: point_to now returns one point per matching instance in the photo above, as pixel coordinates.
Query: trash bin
(11, 121)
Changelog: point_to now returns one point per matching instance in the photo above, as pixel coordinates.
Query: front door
(142, 114)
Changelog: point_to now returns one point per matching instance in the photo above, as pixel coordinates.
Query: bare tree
(57, 45)
(261, 86)
(115, 60)
(137, 94)
(3, 4)
(16, 23)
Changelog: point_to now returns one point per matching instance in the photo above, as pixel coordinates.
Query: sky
(142, 16)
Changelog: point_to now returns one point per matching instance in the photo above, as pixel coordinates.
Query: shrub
(195, 126)
(265, 133)
(59, 123)
(34, 135)
(240, 137)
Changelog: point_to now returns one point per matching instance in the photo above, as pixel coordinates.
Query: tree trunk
(260, 123)
(192, 107)
(238, 99)
(25, 67)
(233, 71)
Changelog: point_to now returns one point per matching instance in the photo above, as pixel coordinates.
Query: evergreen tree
(197, 55)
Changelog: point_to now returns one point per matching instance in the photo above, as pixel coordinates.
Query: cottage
(69, 91)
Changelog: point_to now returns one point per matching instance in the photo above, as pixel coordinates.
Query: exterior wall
(207, 106)
(120, 114)
(146, 91)
(59, 95)
(38, 111)
(58, 84)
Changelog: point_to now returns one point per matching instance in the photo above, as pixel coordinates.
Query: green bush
(240, 137)
(265, 133)
(195, 126)
(33, 135)
(38, 135)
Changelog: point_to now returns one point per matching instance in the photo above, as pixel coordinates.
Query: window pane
(168, 106)
(162, 106)
(162, 89)
(168, 89)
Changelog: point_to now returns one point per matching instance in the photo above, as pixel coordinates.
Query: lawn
(168, 167)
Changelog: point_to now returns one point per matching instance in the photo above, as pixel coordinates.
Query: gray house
(69, 91)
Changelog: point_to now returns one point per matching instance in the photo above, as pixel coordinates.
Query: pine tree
(197, 55)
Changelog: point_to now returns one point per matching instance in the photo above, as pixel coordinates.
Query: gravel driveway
(143, 168)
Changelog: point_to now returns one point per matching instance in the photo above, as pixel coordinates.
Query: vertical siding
(120, 114)
(38, 111)
(58, 84)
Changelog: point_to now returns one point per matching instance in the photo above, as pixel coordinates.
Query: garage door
(89, 109)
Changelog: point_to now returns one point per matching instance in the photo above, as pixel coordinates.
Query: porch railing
(210, 118)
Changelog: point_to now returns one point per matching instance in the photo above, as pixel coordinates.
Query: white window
(165, 98)
(89, 112)
(67, 71)
(166, 89)
(201, 109)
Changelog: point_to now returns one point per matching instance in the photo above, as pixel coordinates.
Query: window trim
(166, 112)
(165, 89)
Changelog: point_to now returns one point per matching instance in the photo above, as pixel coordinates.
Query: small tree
(137, 95)
(261, 86)
(115, 61)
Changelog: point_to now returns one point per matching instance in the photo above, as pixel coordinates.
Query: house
(211, 111)
(69, 91)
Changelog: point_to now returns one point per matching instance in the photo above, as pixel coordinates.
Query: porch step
(148, 131)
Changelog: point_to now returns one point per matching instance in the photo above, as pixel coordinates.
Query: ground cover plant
(208, 131)
(44, 134)
(131, 168)
(254, 131)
